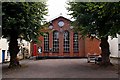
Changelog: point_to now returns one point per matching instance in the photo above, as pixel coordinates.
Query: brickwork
(85, 45)
(92, 46)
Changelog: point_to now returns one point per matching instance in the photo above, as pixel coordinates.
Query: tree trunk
(14, 49)
(105, 51)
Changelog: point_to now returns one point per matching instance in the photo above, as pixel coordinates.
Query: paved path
(60, 68)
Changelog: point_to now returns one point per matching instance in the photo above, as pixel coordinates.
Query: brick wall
(85, 45)
(92, 46)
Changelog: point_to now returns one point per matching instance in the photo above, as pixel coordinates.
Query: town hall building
(61, 40)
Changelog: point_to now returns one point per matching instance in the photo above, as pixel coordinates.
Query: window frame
(46, 42)
(55, 48)
(66, 42)
(75, 43)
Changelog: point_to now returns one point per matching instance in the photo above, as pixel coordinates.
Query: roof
(53, 19)
(59, 17)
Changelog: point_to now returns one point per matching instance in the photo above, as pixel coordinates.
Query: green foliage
(101, 18)
(24, 17)
(23, 0)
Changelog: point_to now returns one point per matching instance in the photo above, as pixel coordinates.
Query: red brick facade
(85, 46)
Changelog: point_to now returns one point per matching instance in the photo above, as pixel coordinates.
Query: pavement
(60, 68)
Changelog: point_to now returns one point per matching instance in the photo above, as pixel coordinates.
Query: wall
(85, 45)
(60, 30)
(119, 45)
(92, 46)
(26, 45)
(113, 46)
(4, 46)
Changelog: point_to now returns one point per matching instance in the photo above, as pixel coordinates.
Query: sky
(56, 8)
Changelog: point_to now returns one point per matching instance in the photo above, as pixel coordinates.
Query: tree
(101, 19)
(21, 20)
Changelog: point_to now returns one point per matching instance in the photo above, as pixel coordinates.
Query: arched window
(46, 42)
(55, 41)
(66, 41)
(75, 42)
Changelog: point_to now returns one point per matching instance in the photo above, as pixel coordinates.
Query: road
(60, 68)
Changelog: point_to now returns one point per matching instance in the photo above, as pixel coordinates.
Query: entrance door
(3, 55)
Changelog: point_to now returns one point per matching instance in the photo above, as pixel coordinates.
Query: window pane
(75, 42)
(55, 41)
(46, 42)
(66, 41)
